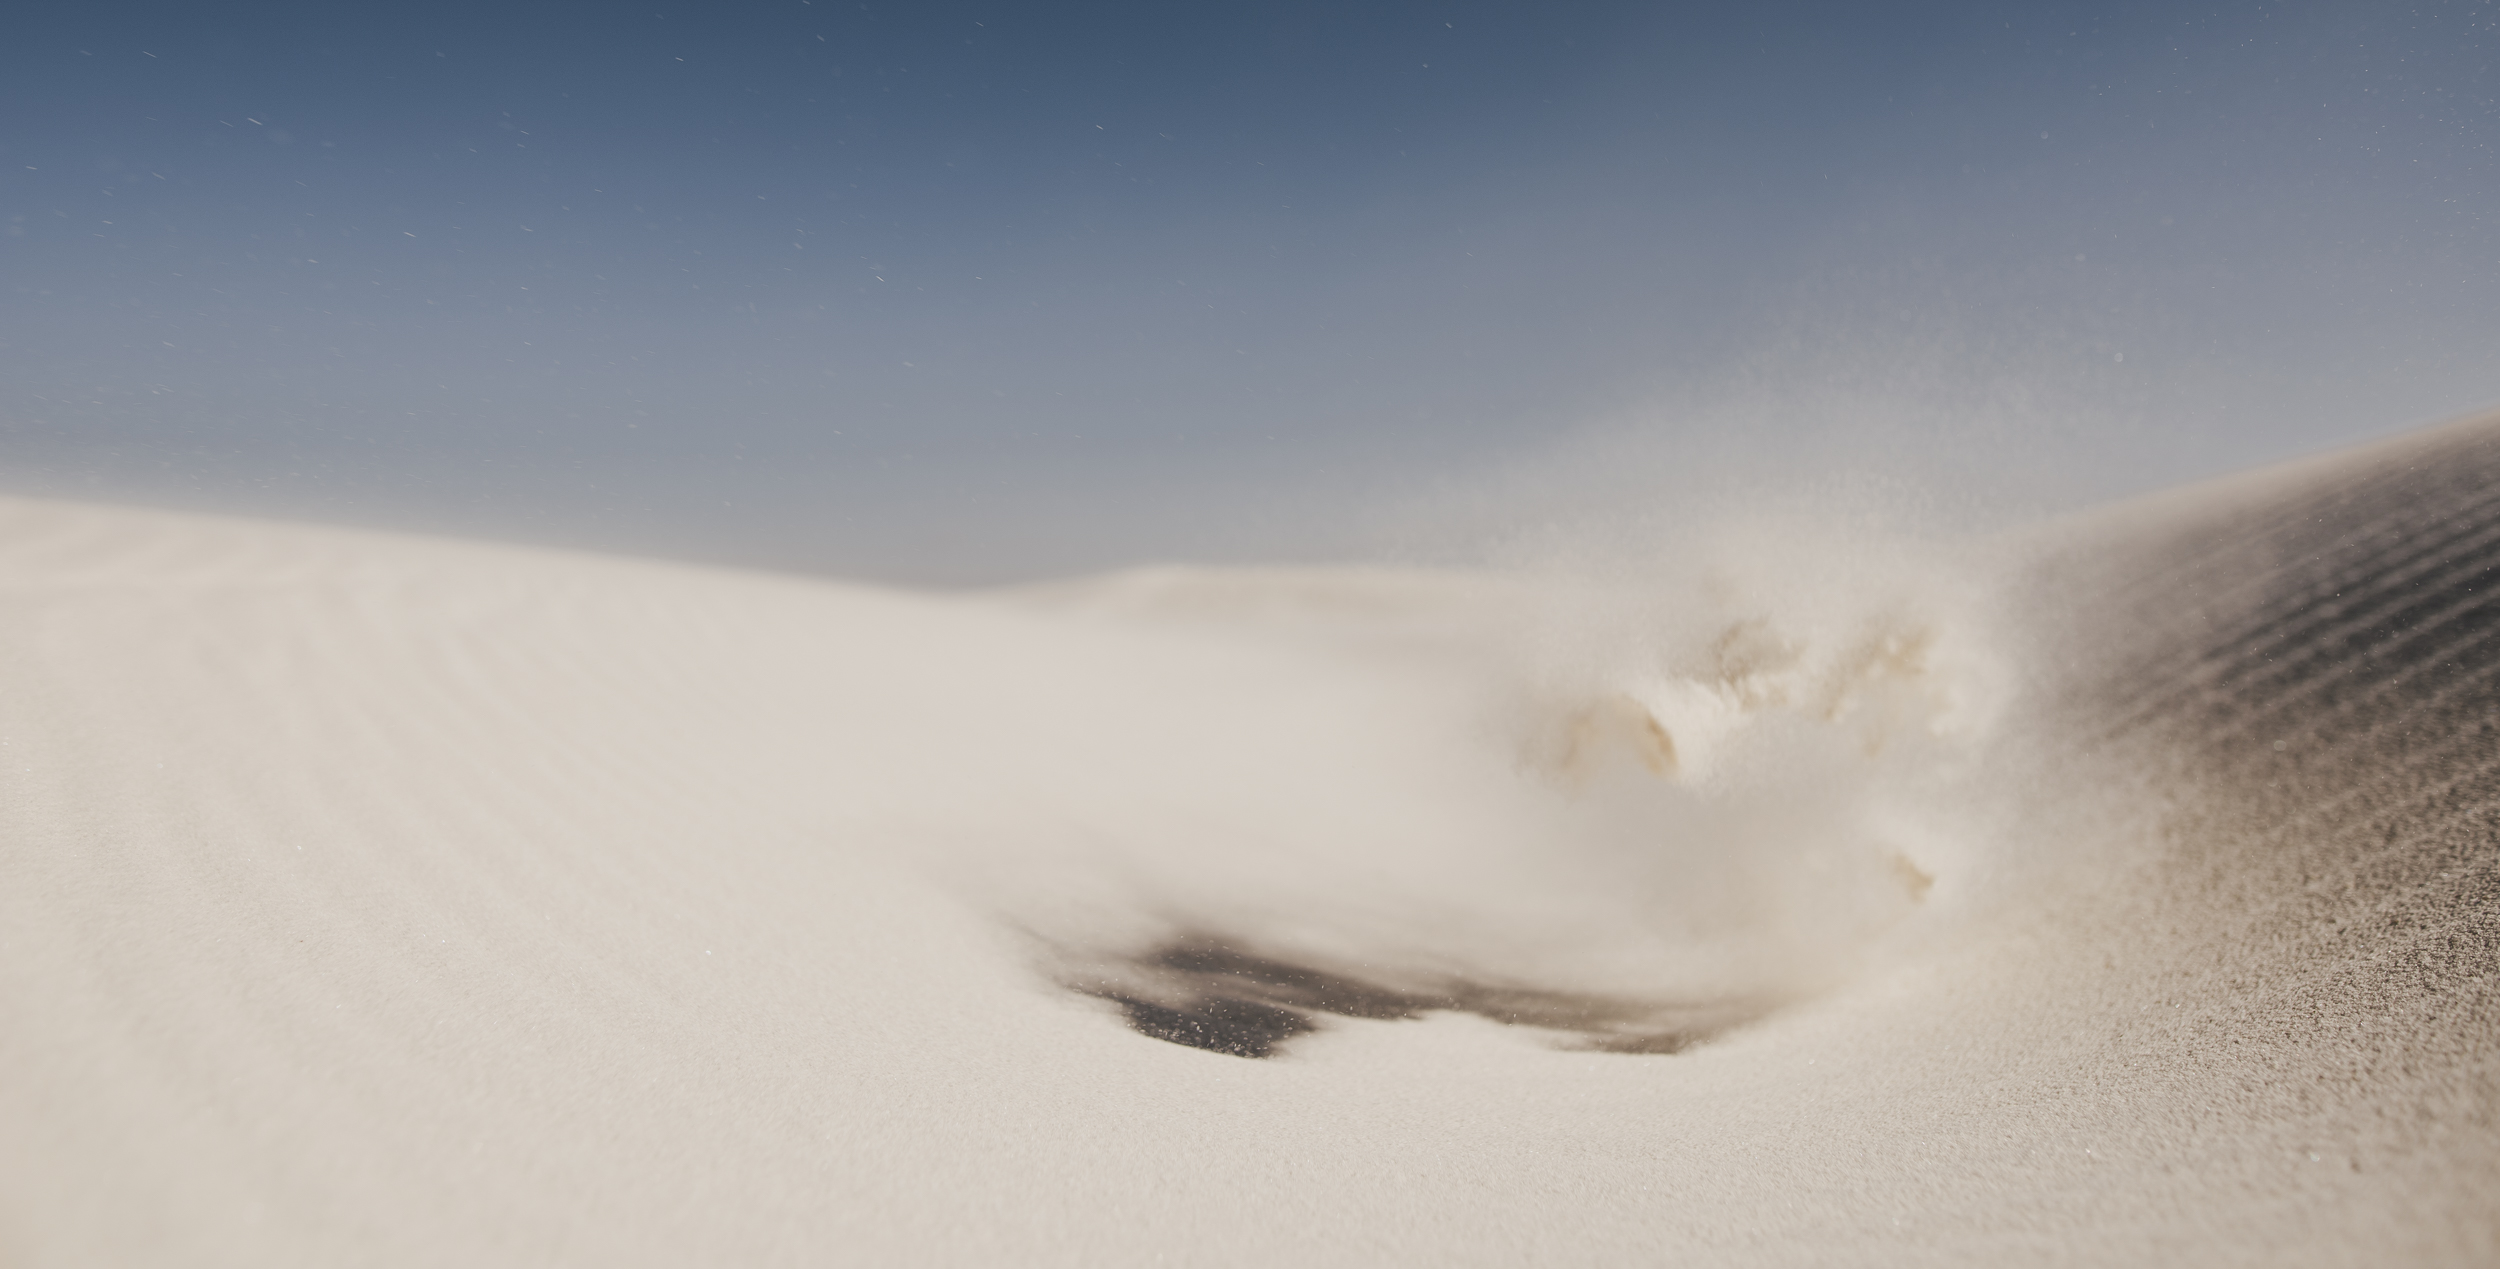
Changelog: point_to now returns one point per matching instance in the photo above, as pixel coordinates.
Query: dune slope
(381, 900)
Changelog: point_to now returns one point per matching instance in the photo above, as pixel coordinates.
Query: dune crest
(2131, 894)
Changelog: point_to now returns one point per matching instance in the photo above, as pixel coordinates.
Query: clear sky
(951, 291)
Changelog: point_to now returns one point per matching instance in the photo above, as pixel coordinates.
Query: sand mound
(2128, 892)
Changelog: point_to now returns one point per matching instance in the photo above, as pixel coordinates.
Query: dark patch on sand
(1207, 992)
(1241, 1028)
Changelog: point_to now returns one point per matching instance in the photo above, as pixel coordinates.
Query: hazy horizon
(947, 293)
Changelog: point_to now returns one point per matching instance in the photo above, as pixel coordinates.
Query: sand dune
(2125, 891)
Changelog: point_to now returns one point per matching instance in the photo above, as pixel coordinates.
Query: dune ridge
(383, 900)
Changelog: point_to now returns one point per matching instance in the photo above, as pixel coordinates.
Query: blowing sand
(2126, 892)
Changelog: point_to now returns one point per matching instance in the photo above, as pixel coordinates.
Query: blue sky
(959, 292)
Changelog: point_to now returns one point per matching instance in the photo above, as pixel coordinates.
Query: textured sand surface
(2127, 893)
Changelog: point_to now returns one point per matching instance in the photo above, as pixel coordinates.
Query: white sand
(373, 900)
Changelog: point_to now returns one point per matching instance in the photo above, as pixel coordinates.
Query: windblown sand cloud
(2123, 890)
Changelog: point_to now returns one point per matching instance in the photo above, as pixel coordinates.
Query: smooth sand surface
(2128, 893)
